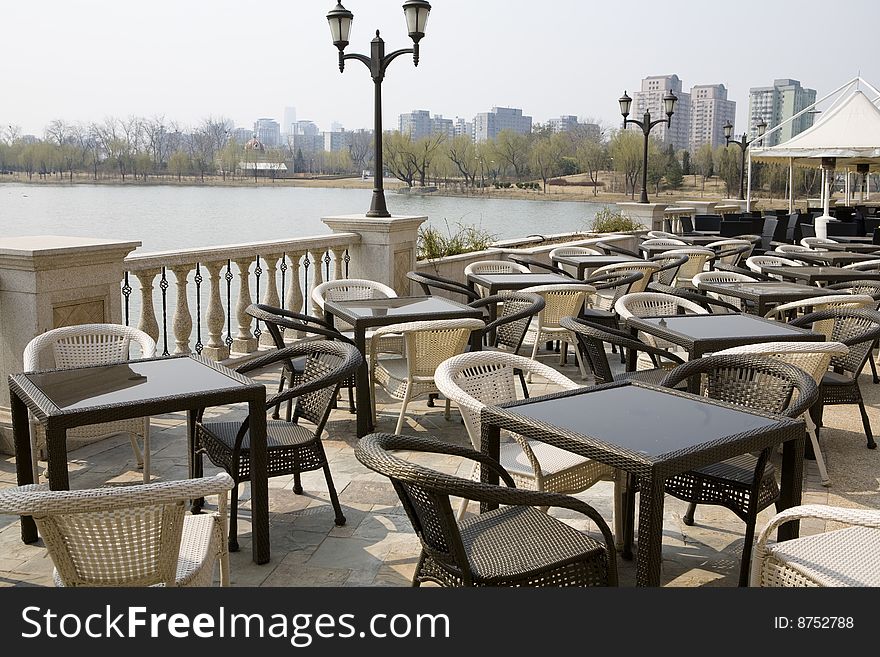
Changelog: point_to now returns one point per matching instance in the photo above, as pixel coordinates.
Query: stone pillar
(387, 250)
(650, 215)
(47, 282)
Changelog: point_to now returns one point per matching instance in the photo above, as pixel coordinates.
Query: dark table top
(820, 274)
(517, 281)
(770, 290)
(834, 258)
(701, 334)
(854, 247)
(590, 261)
(396, 310)
(701, 240)
(855, 239)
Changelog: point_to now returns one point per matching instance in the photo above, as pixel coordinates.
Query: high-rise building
(416, 124)
(241, 136)
(650, 99)
(268, 132)
(462, 127)
(775, 105)
(335, 140)
(710, 111)
(307, 128)
(487, 125)
(289, 121)
(564, 123)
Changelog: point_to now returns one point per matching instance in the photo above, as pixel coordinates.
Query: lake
(176, 217)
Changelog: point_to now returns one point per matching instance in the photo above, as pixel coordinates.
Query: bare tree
(463, 154)
(512, 149)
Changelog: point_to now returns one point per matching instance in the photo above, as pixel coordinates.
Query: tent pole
(749, 184)
(790, 185)
(847, 192)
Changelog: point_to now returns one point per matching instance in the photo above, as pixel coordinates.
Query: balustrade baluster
(148, 323)
(294, 297)
(182, 322)
(270, 296)
(317, 279)
(244, 342)
(216, 318)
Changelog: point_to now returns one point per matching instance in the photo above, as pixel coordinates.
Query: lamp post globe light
(340, 19)
(647, 125)
(743, 143)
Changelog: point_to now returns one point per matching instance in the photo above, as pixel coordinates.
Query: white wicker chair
(864, 265)
(83, 345)
(559, 301)
(348, 289)
(479, 379)
(493, 267)
(837, 558)
(646, 268)
(564, 251)
(663, 241)
(727, 250)
(793, 248)
(813, 358)
(698, 257)
(662, 234)
(428, 344)
(129, 535)
(816, 243)
(758, 262)
(655, 304)
(721, 276)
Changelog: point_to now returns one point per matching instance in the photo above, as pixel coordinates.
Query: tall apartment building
(650, 99)
(241, 136)
(288, 122)
(710, 111)
(462, 127)
(419, 124)
(307, 128)
(268, 132)
(564, 123)
(487, 125)
(776, 104)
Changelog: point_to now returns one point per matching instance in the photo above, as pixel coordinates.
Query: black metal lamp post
(743, 143)
(416, 12)
(647, 125)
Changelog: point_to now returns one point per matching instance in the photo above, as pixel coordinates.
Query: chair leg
(817, 451)
(873, 366)
(403, 406)
(688, 517)
(334, 498)
(749, 539)
(619, 488)
(351, 408)
(233, 519)
(867, 424)
(522, 381)
(534, 355)
(446, 412)
(297, 483)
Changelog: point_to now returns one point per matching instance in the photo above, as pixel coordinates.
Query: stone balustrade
(213, 286)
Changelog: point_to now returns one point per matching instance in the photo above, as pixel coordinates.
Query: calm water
(170, 217)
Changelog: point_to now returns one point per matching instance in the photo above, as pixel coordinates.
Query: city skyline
(184, 62)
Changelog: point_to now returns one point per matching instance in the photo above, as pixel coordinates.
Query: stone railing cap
(51, 245)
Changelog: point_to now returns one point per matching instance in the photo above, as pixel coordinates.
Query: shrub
(609, 220)
(432, 243)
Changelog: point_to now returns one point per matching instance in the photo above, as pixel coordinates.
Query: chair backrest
(791, 226)
(430, 282)
(561, 301)
(807, 230)
(612, 285)
(115, 535)
(823, 302)
(757, 263)
(733, 252)
(812, 357)
(721, 276)
(865, 265)
(697, 259)
(87, 344)
(478, 379)
(816, 242)
(429, 343)
(755, 382)
(531, 261)
(707, 222)
(565, 251)
(662, 234)
(793, 248)
(655, 304)
(663, 241)
(645, 267)
(869, 287)
(857, 328)
(687, 225)
(347, 289)
(668, 271)
(279, 320)
(512, 322)
(495, 267)
(768, 231)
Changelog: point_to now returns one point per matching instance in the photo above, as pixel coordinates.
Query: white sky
(188, 59)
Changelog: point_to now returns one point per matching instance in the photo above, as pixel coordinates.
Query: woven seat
(91, 344)
(428, 344)
(129, 535)
(838, 558)
(515, 545)
(754, 382)
(291, 448)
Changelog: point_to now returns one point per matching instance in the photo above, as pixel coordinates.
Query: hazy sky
(188, 59)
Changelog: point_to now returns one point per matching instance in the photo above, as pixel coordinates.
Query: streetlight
(416, 12)
(743, 143)
(647, 125)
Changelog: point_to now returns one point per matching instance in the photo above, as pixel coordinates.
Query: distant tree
(703, 164)
(685, 163)
(399, 157)
(727, 165)
(299, 161)
(626, 150)
(360, 149)
(230, 156)
(546, 156)
(673, 173)
(592, 157)
(424, 151)
(179, 163)
(462, 152)
(512, 150)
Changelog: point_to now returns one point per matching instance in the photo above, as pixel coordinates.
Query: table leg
(629, 514)
(650, 551)
(364, 391)
(194, 461)
(56, 448)
(791, 483)
(490, 445)
(259, 479)
(23, 471)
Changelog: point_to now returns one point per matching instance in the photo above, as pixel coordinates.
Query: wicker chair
(348, 289)
(516, 310)
(515, 545)
(91, 344)
(672, 243)
(662, 234)
(277, 321)
(869, 287)
(865, 265)
(646, 268)
(698, 259)
(813, 358)
(816, 243)
(792, 249)
(786, 311)
(669, 265)
(655, 304)
(560, 301)
(564, 251)
(431, 282)
(476, 380)
(291, 447)
(842, 557)
(757, 263)
(493, 267)
(531, 261)
(731, 251)
(610, 245)
(428, 344)
(721, 276)
(745, 484)
(129, 535)
(858, 329)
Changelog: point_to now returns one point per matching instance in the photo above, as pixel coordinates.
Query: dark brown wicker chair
(431, 282)
(508, 330)
(669, 266)
(292, 448)
(858, 329)
(515, 545)
(592, 338)
(611, 248)
(745, 484)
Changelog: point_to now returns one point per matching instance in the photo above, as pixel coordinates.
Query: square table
(651, 433)
(63, 399)
(496, 283)
(852, 239)
(364, 314)
(585, 262)
(703, 334)
(816, 275)
(700, 240)
(833, 258)
(766, 294)
(854, 247)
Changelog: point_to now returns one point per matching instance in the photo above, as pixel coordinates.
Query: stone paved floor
(377, 546)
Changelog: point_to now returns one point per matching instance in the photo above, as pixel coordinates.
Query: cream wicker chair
(348, 289)
(479, 379)
(865, 265)
(428, 344)
(816, 243)
(494, 267)
(793, 249)
(721, 276)
(129, 535)
(663, 241)
(698, 259)
(83, 345)
(564, 251)
(727, 252)
(758, 262)
(813, 358)
(662, 234)
(646, 268)
(841, 557)
(560, 301)
(655, 304)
